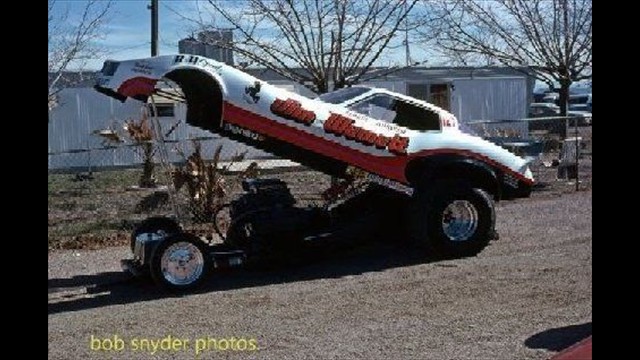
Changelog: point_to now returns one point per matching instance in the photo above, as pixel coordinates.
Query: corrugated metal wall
(83, 110)
(491, 99)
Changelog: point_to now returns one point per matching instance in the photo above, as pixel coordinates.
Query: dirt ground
(527, 295)
(102, 212)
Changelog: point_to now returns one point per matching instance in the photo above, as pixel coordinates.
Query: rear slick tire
(452, 219)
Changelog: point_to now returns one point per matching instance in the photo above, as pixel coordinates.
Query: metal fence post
(575, 132)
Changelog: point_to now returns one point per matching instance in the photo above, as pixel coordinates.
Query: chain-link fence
(98, 195)
(559, 148)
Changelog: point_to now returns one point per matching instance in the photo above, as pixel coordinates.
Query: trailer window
(164, 110)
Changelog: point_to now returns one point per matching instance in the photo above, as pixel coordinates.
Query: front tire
(452, 219)
(181, 262)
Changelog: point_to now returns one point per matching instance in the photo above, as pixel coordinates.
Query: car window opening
(389, 109)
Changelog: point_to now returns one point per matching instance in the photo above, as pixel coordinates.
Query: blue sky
(128, 30)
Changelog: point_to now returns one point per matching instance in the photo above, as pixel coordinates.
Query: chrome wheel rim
(460, 220)
(182, 263)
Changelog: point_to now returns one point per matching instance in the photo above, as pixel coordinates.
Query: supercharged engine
(266, 224)
(265, 221)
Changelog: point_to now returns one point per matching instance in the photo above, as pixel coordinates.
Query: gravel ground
(527, 295)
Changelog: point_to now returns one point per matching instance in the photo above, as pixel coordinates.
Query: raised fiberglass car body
(398, 140)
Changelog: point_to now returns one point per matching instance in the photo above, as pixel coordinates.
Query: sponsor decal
(391, 127)
(293, 110)
(142, 67)
(234, 129)
(197, 60)
(251, 93)
(448, 122)
(391, 184)
(189, 59)
(341, 125)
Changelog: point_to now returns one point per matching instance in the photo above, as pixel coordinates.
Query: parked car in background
(580, 107)
(574, 99)
(551, 97)
(537, 110)
(538, 95)
(581, 99)
(543, 109)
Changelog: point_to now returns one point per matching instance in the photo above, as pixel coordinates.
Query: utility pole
(154, 27)
(406, 37)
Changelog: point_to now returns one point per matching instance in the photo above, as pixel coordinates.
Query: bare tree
(72, 39)
(550, 37)
(334, 41)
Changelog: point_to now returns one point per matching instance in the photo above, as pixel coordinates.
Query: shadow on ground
(105, 289)
(559, 338)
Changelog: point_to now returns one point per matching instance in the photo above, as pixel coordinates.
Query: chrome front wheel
(460, 220)
(180, 262)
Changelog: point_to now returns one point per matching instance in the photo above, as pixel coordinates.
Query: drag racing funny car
(427, 179)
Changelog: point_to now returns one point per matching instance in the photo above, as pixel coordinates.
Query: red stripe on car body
(392, 167)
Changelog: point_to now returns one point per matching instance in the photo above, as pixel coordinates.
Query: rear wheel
(180, 262)
(452, 219)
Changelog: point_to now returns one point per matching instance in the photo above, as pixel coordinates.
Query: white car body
(259, 111)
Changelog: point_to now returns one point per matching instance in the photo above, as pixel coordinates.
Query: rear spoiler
(108, 69)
